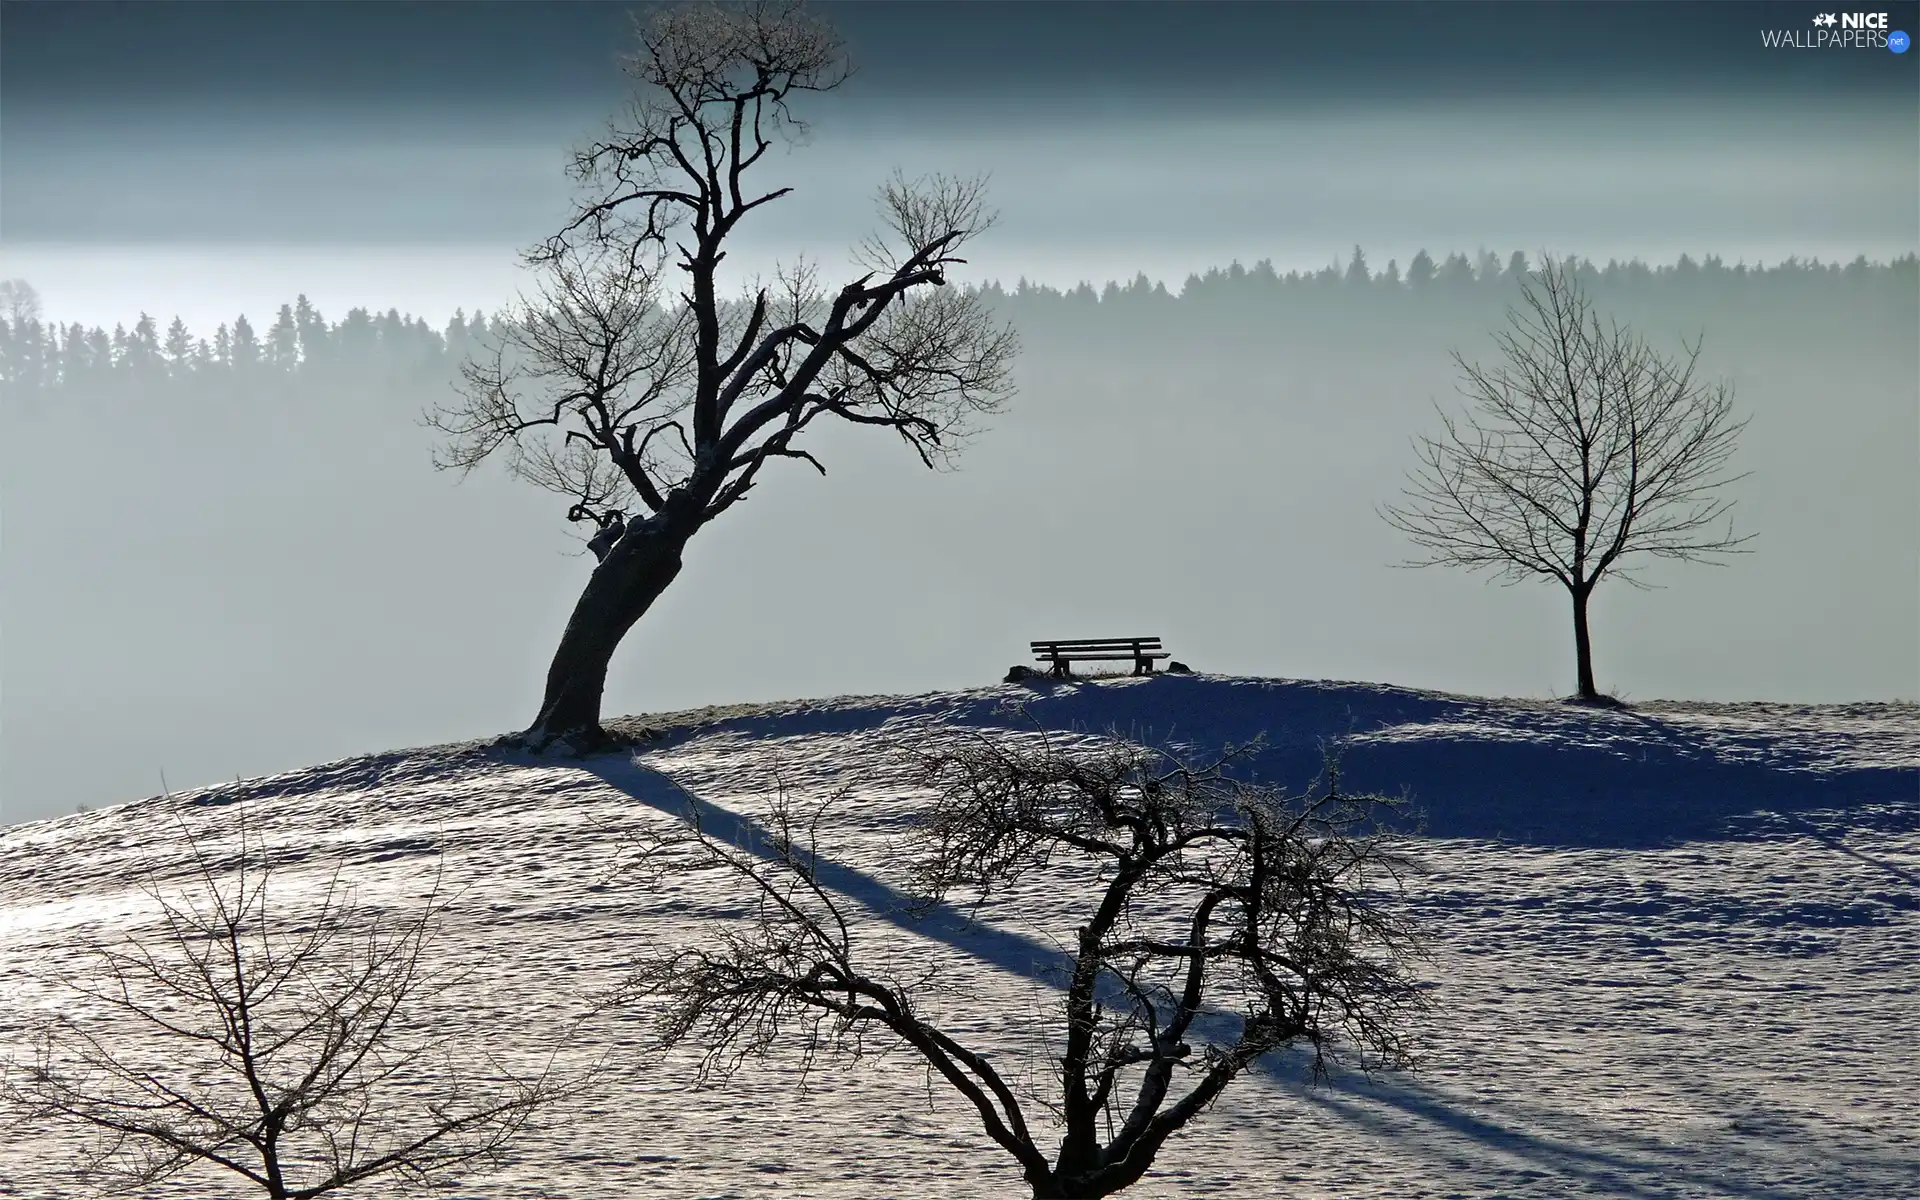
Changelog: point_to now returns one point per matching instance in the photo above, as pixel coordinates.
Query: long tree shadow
(1658, 1165)
(1023, 955)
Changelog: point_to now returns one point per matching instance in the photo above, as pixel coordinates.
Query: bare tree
(285, 1042)
(1225, 921)
(617, 393)
(19, 303)
(1585, 451)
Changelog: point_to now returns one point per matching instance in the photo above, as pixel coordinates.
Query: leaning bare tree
(621, 392)
(1586, 451)
(1223, 921)
(281, 1038)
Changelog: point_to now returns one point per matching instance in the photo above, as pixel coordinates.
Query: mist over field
(262, 568)
(253, 576)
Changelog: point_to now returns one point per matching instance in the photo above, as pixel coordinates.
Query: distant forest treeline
(39, 355)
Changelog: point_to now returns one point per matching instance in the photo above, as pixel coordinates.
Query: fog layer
(223, 579)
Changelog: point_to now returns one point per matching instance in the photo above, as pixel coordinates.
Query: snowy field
(1676, 950)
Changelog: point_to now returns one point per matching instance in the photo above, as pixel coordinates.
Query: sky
(245, 152)
(210, 159)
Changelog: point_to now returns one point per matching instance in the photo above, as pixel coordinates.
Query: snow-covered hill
(1677, 948)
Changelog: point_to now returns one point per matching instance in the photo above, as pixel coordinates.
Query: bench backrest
(1071, 644)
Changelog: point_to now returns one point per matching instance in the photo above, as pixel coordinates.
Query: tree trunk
(1093, 1184)
(1054, 1187)
(623, 587)
(1583, 644)
(270, 1159)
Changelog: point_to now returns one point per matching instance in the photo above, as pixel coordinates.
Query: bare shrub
(1225, 920)
(280, 1037)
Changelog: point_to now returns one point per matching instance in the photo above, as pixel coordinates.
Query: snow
(1675, 947)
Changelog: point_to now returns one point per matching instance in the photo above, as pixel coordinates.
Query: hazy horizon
(445, 280)
(238, 595)
(294, 142)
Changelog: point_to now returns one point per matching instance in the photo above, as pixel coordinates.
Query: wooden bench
(1140, 651)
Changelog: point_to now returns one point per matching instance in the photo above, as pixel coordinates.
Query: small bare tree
(19, 303)
(1266, 912)
(283, 1042)
(1587, 449)
(617, 393)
